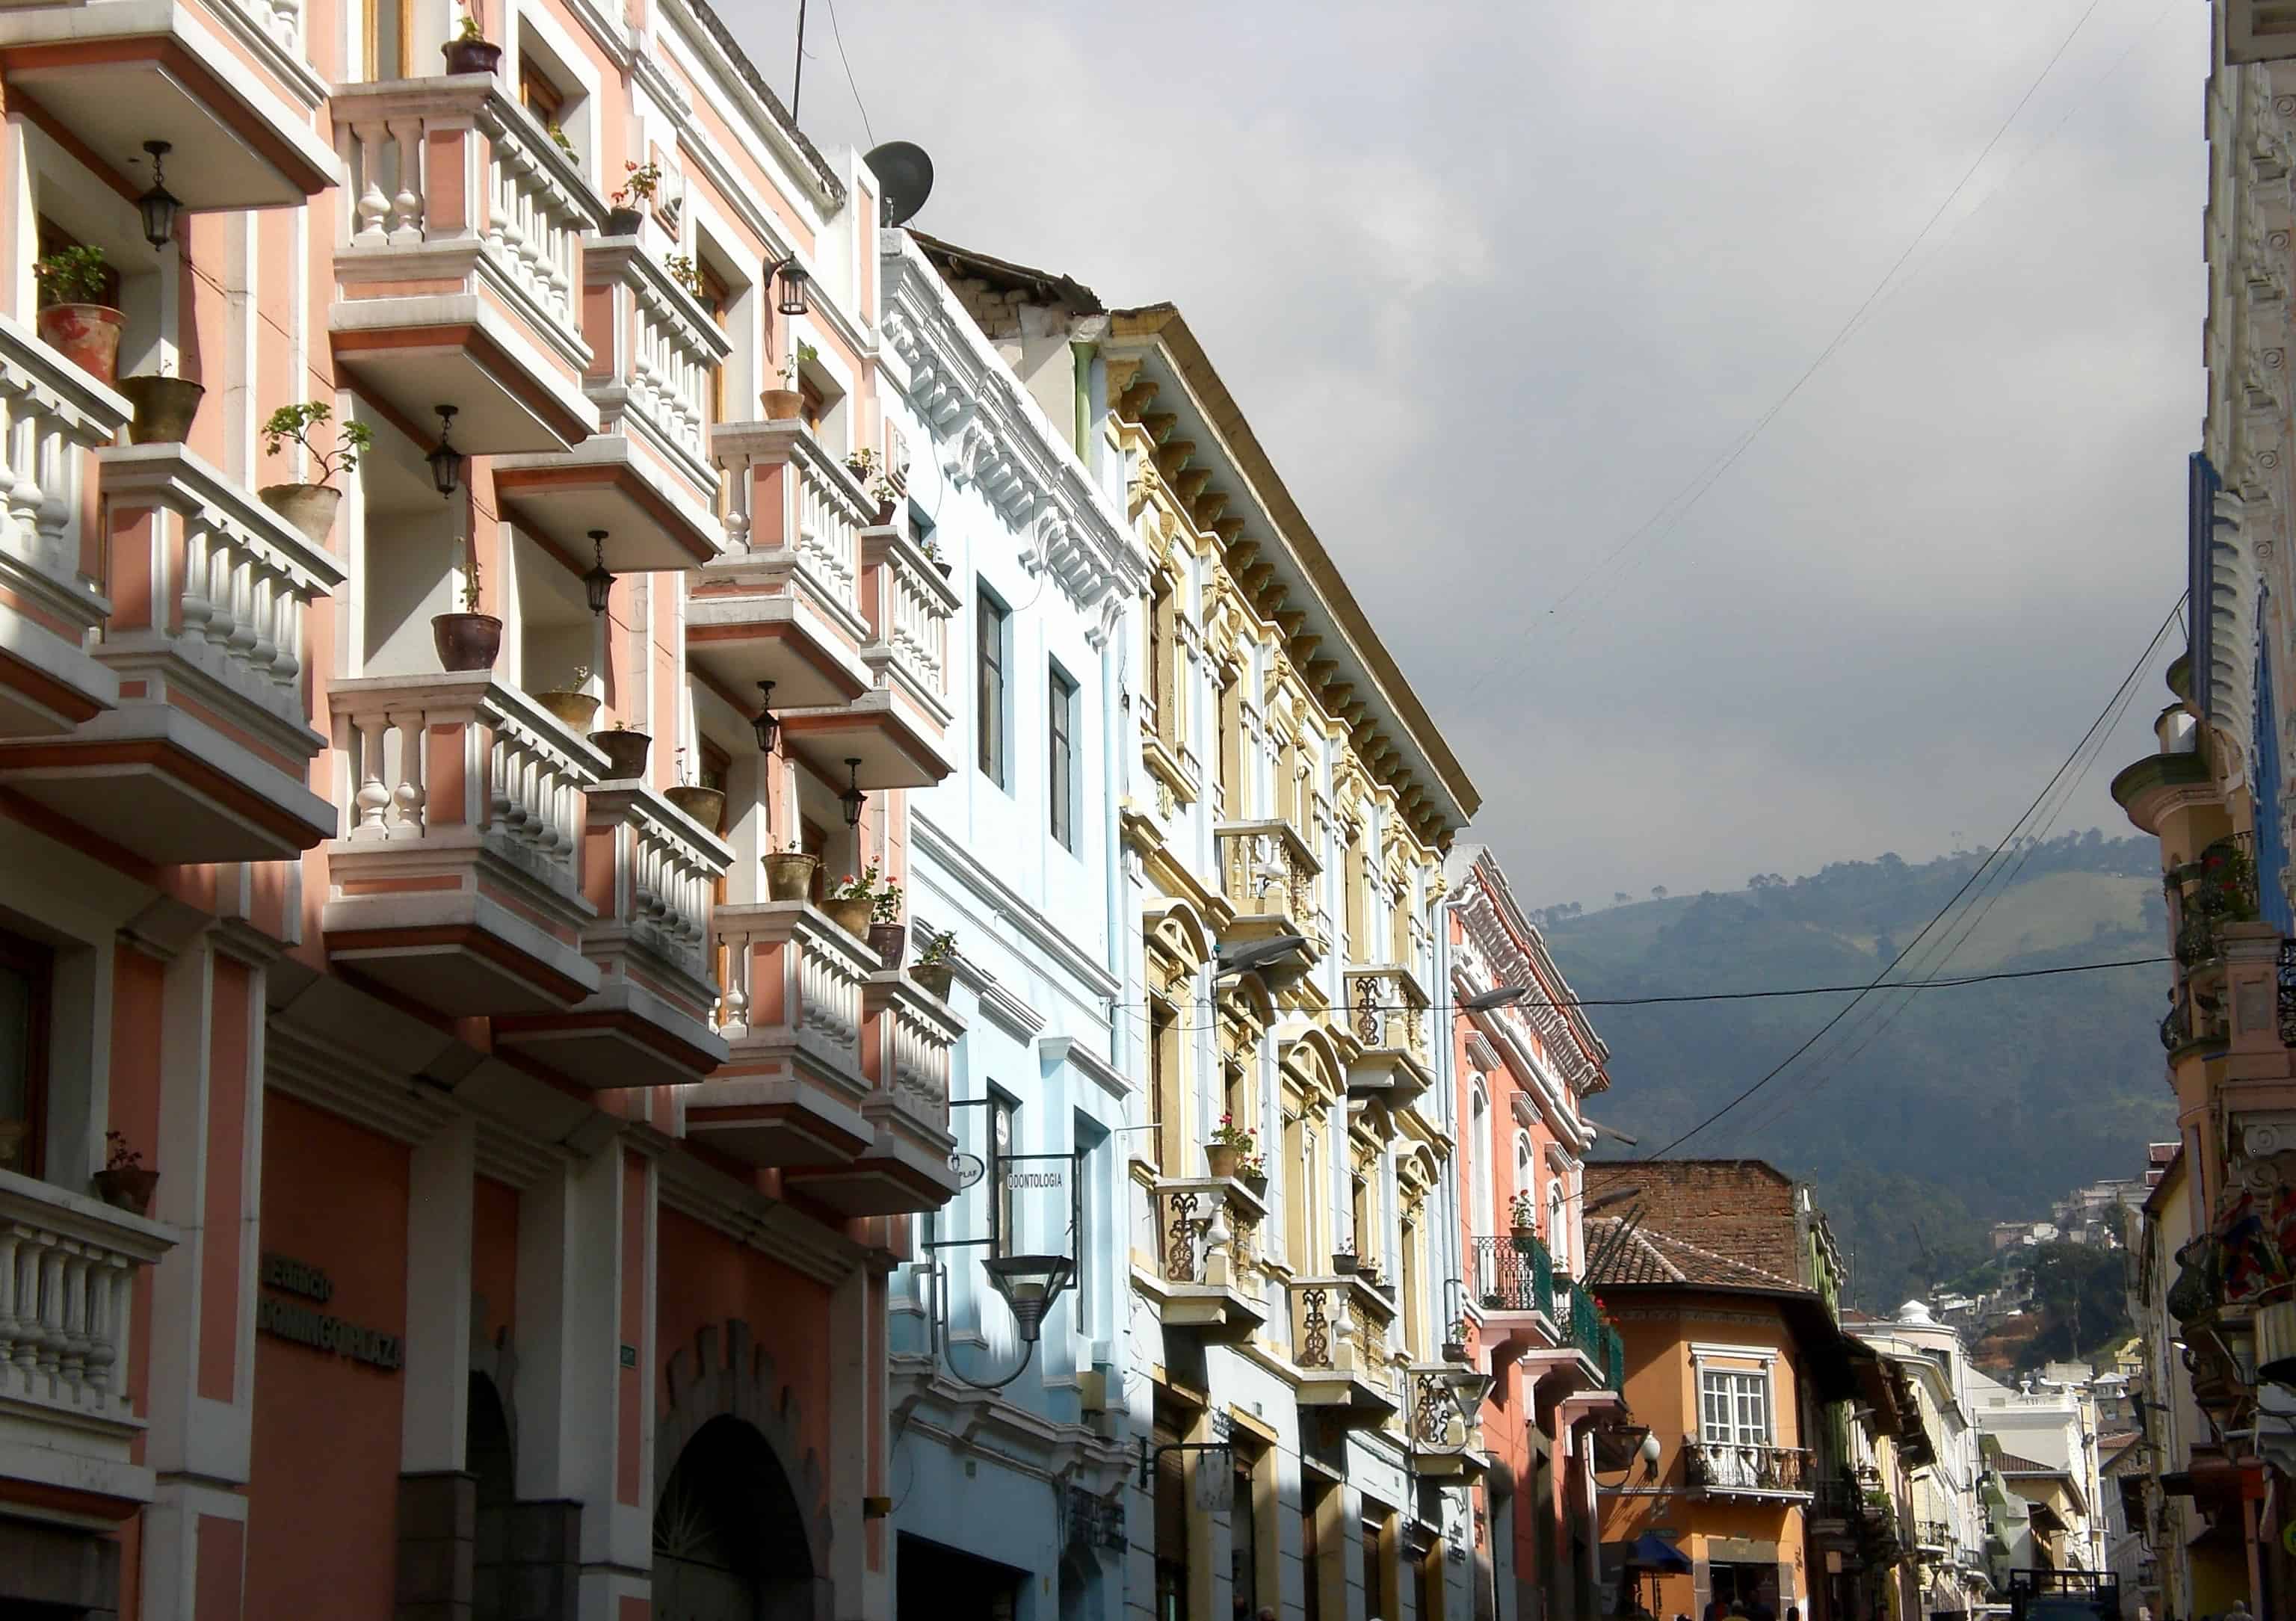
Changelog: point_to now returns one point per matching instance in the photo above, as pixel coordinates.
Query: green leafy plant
(470, 31)
(558, 137)
(1522, 1211)
(860, 886)
(885, 904)
(862, 463)
(941, 948)
(801, 355)
(293, 424)
(471, 578)
(1227, 1133)
(642, 181)
(73, 275)
(684, 272)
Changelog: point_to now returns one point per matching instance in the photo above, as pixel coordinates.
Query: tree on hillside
(1619, 898)
(1658, 892)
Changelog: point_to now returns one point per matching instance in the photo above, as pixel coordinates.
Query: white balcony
(215, 81)
(1339, 1345)
(1387, 1013)
(648, 1024)
(1270, 876)
(52, 415)
(459, 883)
(906, 1039)
(67, 1270)
(647, 477)
(1205, 1278)
(461, 270)
(206, 755)
(791, 1093)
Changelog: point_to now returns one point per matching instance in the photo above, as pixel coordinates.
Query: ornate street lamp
(445, 461)
(1468, 1389)
(158, 206)
(1029, 1284)
(793, 278)
(598, 580)
(853, 798)
(765, 725)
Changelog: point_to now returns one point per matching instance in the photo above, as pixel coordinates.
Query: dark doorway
(1756, 1586)
(729, 1540)
(937, 1583)
(487, 1450)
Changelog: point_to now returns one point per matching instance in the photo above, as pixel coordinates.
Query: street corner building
(707, 908)
(1723, 1280)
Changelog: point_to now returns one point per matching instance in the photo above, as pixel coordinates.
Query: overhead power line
(1625, 1168)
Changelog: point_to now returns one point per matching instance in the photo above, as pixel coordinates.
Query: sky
(1501, 287)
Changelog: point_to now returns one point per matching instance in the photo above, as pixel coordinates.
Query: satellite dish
(906, 175)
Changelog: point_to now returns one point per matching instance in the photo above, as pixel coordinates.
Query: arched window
(1558, 1225)
(1480, 1148)
(1526, 1178)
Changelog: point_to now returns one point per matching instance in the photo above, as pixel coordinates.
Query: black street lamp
(158, 206)
(853, 798)
(792, 277)
(598, 580)
(1029, 1284)
(765, 725)
(446, 461)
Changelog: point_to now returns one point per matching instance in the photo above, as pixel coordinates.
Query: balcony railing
(791, 497)
(1387, 1009)
(404, 143)
(51, 414)
(909, 606)
(1198, 1218)
(67, 1266)
(793, 976)
(1933, 1535)
(1514, 1274)
(672, 352)
(1268, 872)
(1730, 1467)
(432, 755)
(1338, 1325)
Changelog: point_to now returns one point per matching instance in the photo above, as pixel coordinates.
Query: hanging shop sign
(305, 1325)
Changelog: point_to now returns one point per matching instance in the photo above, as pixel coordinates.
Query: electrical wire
(1675, 507)
(1625, 1168)
(838, 34)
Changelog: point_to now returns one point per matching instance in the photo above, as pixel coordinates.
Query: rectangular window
(26, 972)
(991, 625)
(386, 40)
(545, 100)
(1061, 778)
(1734, 1407)
(1163, 1084)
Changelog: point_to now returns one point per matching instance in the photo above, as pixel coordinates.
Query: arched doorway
(729, 1542)
(491, 1464)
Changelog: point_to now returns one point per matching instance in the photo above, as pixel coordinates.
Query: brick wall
(1742, 1208)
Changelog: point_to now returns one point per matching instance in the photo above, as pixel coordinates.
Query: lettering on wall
(299, 1324)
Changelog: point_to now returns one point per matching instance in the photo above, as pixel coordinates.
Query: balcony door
(1734, 1422)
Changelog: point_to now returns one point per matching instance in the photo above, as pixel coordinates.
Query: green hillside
(1920, 1118)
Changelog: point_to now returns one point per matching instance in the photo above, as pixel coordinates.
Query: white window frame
(1737, 1363)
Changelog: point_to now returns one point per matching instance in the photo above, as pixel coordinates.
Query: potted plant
(13, 1136)
(862, 464)
(558, 138)
(887, 936)
(311, 507)
(471, 51)
(1230, 1146)
(73, 321)
(933, 556)
(788, 874)
(625, 751)
(785, 403)
(123, 1181)
(468, 640)
(936, 965)
(705, 806)
(888, 498)
(164, 405)
(626, 218)
(569, 703)
(851, 899)
(1454, 1346)
(1251, 1171)
(1522, 1216)
(1343, 1261)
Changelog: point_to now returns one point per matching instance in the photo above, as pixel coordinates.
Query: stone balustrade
(51, 414)
(794, 978)
(68, 1268)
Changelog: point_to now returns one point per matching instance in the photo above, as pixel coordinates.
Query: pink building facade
(528, 1174)
(1523, 1068)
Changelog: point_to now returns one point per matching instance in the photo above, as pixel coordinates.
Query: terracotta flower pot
(789, 875)
(891, 942)
(129, 1187)
(625, 751)
(1222, 1158)
(471, 55)
(577, 709)
(164, 408)
(466, 641)
(782, 404)
(852, 916)
(705, 806)
(624, 221)
(85, 334)
(884, 513)
(934, 978)
(309, 507)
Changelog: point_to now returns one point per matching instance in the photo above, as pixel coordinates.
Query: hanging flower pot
(625, 751)
(164, 408)
(789, 875)
(466, 641)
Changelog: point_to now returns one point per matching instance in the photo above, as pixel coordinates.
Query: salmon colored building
(528, 1175)
(1721, 1278)
(1525, 1060)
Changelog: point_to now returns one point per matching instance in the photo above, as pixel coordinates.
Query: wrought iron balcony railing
(1514, 1274)
(1732, 1467)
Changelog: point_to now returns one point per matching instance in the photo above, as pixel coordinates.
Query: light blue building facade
(1005, 1500)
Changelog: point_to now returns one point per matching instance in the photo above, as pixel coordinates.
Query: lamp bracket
(1149, 1454)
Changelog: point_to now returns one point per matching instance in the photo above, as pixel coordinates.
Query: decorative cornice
(992, 433)
(1069, 1050)
(1039, 931)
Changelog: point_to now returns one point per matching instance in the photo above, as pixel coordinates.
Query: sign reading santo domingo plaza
(290, 1320)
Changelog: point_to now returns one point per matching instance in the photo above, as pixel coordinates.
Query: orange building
(1721, 1279)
